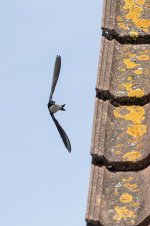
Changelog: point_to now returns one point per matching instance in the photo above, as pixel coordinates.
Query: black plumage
(53, 107)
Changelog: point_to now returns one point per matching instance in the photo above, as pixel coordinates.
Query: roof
(119, 189)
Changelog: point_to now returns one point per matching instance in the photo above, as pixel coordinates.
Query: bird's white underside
(54, 108)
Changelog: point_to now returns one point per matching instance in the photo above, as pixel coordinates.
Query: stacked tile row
(119, 190)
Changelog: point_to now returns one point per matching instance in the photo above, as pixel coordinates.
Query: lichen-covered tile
(121, 135)
(124, 71)
(127, 18)
(118, 198)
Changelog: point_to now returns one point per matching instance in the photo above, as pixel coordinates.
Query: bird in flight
(53, 107)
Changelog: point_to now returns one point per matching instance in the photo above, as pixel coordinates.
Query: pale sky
(41, 184)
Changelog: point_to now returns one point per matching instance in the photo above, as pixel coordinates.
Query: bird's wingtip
(58, 56)
(69, 149)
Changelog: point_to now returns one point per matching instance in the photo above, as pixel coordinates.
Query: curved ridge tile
(118, 198)
(127, 18)
(123, 72)
(120, 136)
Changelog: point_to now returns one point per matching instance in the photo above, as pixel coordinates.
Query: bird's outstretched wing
(62, 133)
(55, 75)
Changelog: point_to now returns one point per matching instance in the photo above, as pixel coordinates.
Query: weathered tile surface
(118, 198)
(121, 135)
(124, 72)
(127, 17)
(121, 127)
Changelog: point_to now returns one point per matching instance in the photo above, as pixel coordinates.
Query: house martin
(53, 107)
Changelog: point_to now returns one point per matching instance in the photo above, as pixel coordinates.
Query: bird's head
(50, 103)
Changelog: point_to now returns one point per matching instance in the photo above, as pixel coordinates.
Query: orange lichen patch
(123, 213)
(142, 23)
(137, 130)
(147, 51)
(119, 18)
(129, 63)
(132, 55)
(143, 57)
(126, 198)
(136, 93)
(140, 2)
(134, 13)
(129, 78)
(135, 8)
(138, 71)
(136, 115)
(128, 3)
(136, 204)
(132, 156)
(128, 86)
(131, 186)
(134, 34)
(145, 30)
(132, 113)
(123, 26)
(132, 92)
(117, 152)
(127, 179)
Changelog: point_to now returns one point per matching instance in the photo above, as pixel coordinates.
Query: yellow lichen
(135, 204)
(136, 93)
(142, 23)
(126, 198)
(123, 213)
(129, 63)
(131, 186)
(123, 26)
(134, 34)
(118, 152)
(145, 30)
(143, 57)
(119, 18)
(138, 71)
(128, 4)
(132, 92)
(127, 179)
(129, 78)
(137, 130)
(135, 8)
(140, 2)
(132, 156)
(147, 51)
(136, 115)
(131, 113)
(128, 86)
(134, 13)
(132, 55)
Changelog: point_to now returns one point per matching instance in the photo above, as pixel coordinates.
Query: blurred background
(41, 184)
